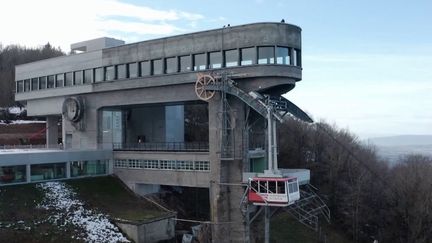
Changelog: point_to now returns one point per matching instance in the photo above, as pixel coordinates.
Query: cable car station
(193, 110)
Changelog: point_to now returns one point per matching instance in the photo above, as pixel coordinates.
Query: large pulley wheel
(200, 87)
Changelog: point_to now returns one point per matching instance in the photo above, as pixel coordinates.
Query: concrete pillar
(68, 169)
(28, 173)
(226, 175)
(52, 132)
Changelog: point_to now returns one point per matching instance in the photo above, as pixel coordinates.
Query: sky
(367, 65)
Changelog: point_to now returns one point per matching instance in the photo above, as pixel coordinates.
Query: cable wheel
(200, 87)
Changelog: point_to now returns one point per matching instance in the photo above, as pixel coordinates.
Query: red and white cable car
(273, 191)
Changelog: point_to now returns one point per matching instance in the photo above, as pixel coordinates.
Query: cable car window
(263, 186)
(272, 186)
(281, 187)
(292, 187)
(254, 186)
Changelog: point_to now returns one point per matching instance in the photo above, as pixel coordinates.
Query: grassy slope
(110, 196)
(104, 194)
(284, 228)
(18, 203)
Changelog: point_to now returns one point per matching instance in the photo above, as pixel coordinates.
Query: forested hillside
(368, 199)
(14, 55)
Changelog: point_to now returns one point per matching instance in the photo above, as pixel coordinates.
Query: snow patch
(70, 211)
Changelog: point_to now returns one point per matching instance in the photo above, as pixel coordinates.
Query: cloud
(64, 22)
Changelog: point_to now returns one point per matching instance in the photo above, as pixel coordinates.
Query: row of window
(162, 164)
(40, 172)
(195, 62)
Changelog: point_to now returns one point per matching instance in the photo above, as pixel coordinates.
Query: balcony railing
(163, 146)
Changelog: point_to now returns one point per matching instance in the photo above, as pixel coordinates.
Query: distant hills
(395, 147)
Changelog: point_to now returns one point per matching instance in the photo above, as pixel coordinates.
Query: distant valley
(394, 147)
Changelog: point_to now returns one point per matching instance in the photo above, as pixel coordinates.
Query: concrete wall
(150, 231)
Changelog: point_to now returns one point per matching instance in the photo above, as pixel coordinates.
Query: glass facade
(283, 56)
(78, 77)
(215, 59)
(231, 58)
(110, 73)
(266, 55)
(157, 67)
(121, 71)
(171, 65)
(199, 62)
(99, 74)
(133, 70)
(185, 63)
(145, 68)
(88, 168)
(12, 174)
(247, 56)
(43, 82)
(41, 172)
(69, 79)
(88, 76)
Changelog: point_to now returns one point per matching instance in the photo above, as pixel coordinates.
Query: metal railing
(29, 146)
(163, 146)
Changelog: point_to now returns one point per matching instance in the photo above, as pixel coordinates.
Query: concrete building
(143, 102)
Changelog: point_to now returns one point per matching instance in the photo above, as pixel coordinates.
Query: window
(272, 186)
(199, 62)
(78, 76)
(13, 174)
(59, 80)
(51, 82)
(99, 74)
(145, 68)
(109, 73)
(185, 63)
(157, 66)
(27, 85)
(69, 79)
(88, 76)
(281, 187)
(231, 58)
(215, 59)
(282, 55)
(43, 82)
(121, 71)
(171, 65)
(20, 86)
(297, 57)
(133, 70)
(247, 56)
(41, 172)
(266, 55)
(34, 84)
(262, 187)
